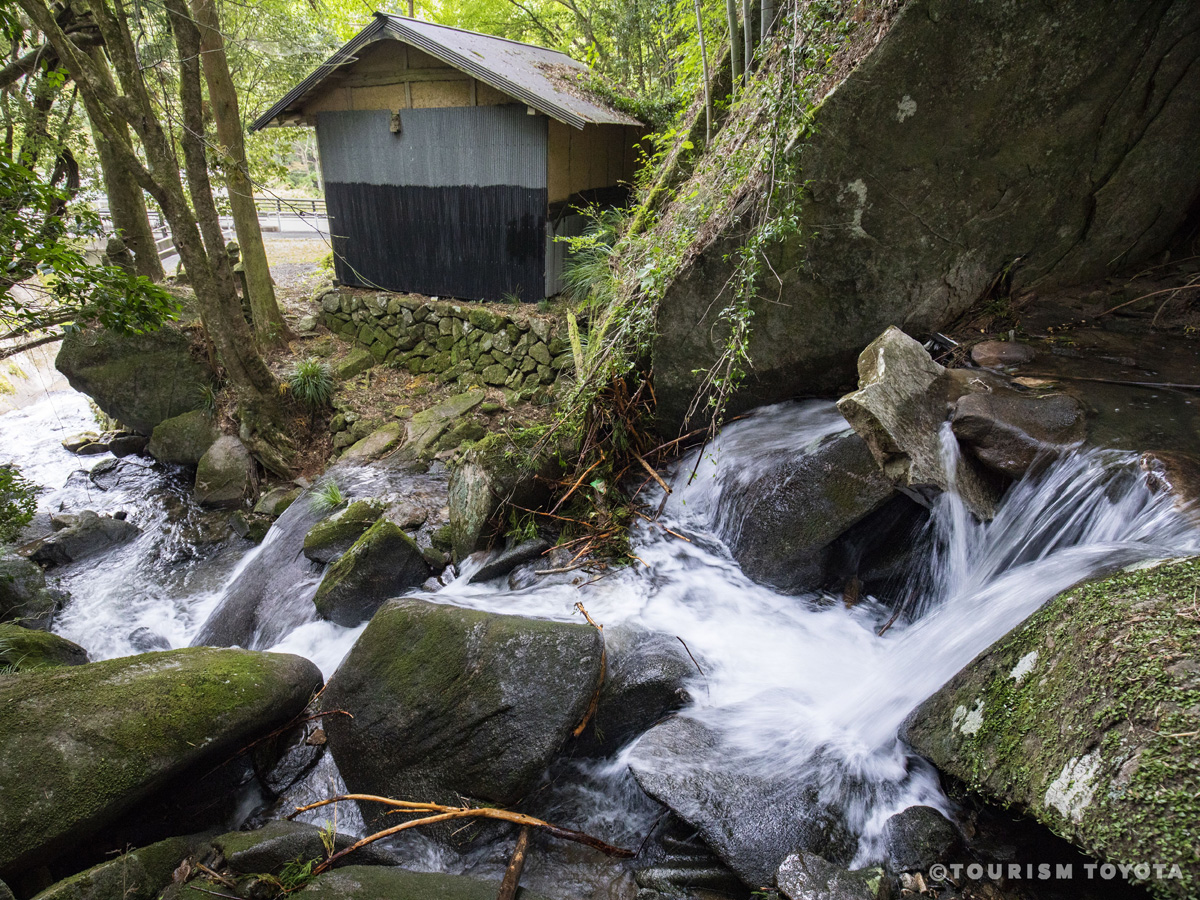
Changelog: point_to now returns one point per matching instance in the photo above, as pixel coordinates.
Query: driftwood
(436, 812)
(516, 865)
(591, 710)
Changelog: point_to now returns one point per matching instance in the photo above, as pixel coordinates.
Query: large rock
(451, 702)
(226, 475)
(806, 876)
(916, 838)
(374, 883)
(780, 525)
(425, 427)
(499, 468)
(1085, 718)
(1049, 146)
(335, 534)
(646, 677)
(137, 875)
(139, 380)
(375, 444)
(903, 398)
(81, 746)
(183, 440)
(382, 564)
(26, 649)
(87, 533)
(749, 819)
(23, 592)
(1007, 431)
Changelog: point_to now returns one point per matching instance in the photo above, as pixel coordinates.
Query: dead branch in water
(436, 812)
(591, 710)
(516, 865)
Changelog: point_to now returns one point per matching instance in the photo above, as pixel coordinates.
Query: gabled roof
(540, 78)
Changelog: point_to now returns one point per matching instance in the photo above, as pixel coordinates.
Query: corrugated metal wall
(452, 205)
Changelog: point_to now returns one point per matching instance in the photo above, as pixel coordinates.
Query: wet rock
(383, 563)
(1074, 715)
(139, 380)
(918, 837)
(90, 533)
(780, 526)
(23, 592)
(334, 535)
(77, 442)
(495, 468)
(425, 428)
(128, 445)
(506, 560)
(80, 746)
(1176, 473)
(121, 473)
(183, 440)
(26, 649)
(6, 894)
(375, 444)
(806, 876)
(251, 526)
(1007, 431)
(646, 677)
(451, 702)
(277, 843)
(275, 501)
(144, 640)
(750, 819)
(375, 883)
(998, 354)
(903, 398)
(355, 363)
(226, 474)
(137, 875)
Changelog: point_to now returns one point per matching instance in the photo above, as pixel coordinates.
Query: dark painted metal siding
(454, 205)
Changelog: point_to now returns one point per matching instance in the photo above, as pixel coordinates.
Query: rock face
(1074, 717)
(450, 701)
(334, 535)
(903, 398)
(751, 821)
(183, 440)
(1007, 431)
(80, 746)
(226, 475)
(23, 592)
(780, 525)
(139, 380)
(381, 564)
(916, 202)
(87, 533)
(27, 649)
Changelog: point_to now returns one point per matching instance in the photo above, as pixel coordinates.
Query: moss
(137, 875)
(334, 535)
(27, 650)
(80, 745)
(1117, 673)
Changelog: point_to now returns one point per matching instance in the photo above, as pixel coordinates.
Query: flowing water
(796, 688)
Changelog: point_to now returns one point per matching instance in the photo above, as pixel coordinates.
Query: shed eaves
(536, 76)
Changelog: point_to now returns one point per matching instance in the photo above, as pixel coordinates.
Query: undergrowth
(18, 502)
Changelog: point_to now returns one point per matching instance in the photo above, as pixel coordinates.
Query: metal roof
(538, 77)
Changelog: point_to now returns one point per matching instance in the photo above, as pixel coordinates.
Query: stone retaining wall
(452, 341)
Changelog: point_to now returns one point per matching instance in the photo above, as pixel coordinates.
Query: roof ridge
(494, 37)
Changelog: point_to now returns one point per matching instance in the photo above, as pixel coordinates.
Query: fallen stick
(591, 710)
(516, 865)
(645, 465)
(440, 813)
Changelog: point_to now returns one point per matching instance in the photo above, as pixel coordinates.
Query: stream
(797, 690)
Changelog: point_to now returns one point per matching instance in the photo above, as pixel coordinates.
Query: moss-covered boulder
(183, 440)
(226, 475)
(138, 379)
(451, 702)
(140, 874)
(26, 649)
(334, 535)
(382, 564)
(274, 503)
(1085, 717)
(425, 428)
(379, 442)
(82, 746)
(1048, 146)
(500, 467)
(23, 591)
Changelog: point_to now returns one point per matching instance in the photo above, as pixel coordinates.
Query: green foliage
(208, 398)
(328, 496)
(18, 502)
(311, 382)
(522, 526)
(294, 875)
(42, 234)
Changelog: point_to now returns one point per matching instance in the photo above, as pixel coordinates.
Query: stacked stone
(452, 341)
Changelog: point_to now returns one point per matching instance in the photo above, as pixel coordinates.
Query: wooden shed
(452, 160)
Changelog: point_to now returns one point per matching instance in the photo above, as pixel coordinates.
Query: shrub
(311, 382)
(18, 502)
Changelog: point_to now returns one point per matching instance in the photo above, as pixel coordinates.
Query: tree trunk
(748, 30)
(126, 202)
(268, 321)
(707, 88)
(735, 40)
(768, 18)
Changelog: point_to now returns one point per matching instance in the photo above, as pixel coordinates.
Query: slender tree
(735, 51)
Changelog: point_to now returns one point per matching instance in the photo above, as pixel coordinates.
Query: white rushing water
(798, 688)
